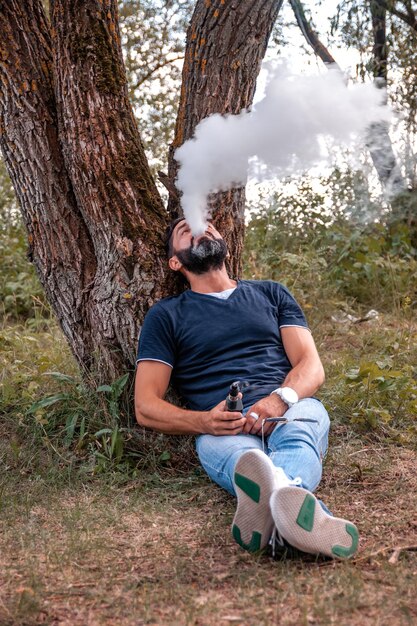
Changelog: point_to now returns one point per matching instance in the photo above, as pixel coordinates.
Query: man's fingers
(257, 427)
(231, 431)
(240, 423)
(268, 428)
(256, 422)
(251, 418)
(229, 416)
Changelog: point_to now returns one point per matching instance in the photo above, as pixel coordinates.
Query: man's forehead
(183, 220)
(178, 225)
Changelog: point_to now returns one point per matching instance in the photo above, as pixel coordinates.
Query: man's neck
(213, 281)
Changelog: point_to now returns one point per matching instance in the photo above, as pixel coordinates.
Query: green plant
(372, 265)
(385, 395)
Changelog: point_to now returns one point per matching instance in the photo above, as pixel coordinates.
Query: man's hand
(271, 406)
(219, 421)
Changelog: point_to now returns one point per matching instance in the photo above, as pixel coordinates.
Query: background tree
(385, 34)
(379, 142)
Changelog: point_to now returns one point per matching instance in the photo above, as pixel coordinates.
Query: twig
(311, 36)
(393, 560)
(156, 68)
(396, 551)
(168, 184)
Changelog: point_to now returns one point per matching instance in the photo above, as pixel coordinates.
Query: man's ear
(175, 264)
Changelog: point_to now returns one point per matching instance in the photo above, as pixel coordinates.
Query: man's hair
(168, 236)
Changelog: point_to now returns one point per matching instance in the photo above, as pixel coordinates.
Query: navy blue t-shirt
(210, 342)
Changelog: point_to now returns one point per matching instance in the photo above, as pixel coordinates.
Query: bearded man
(270, 453)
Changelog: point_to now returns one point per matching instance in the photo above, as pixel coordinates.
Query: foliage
(153, 45)
(20, 290)
(329, 255)
(382, 393)
(373, 379)
(48, 409)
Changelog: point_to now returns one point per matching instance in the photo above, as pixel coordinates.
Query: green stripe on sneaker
(255, 543)
(305, 517)
(247, 485)
(344, 553)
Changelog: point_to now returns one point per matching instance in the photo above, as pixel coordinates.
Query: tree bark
(109, 171)
(226, 42)
(94, 218)
(60, 245)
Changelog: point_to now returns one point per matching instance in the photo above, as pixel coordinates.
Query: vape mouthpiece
(234, 389)
(233, 402)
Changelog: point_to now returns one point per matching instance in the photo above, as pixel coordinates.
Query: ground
(158, 550)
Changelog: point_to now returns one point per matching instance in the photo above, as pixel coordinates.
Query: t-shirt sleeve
(289, 311)
(156, 339)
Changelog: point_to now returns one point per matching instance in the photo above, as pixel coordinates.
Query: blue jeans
(297, 447)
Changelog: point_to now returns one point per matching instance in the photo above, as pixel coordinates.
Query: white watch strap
(279, 392)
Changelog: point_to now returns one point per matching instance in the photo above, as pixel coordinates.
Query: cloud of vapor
(281, 136)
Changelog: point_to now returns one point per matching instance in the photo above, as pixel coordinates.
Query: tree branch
(409, 18)
(310, 34)
(155, 69)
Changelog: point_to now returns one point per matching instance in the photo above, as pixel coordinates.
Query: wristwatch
(287, 395)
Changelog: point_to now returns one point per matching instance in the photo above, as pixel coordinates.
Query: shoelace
(284, 420)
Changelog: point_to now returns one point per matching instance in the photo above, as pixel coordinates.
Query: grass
(163, 554)
(146, 540)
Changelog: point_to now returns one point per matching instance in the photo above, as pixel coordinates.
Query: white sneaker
(303, 523)
(255, 479)
(282, 480)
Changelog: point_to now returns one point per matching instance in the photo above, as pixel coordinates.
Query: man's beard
(208, 254)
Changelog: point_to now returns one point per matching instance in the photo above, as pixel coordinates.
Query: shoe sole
(254, 482)
(302, 522)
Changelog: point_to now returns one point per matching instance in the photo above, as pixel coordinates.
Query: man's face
(199, 254)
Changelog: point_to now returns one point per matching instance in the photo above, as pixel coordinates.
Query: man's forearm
(305, 378)
(167, 418)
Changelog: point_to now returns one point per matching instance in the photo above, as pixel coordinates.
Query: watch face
(289, 395)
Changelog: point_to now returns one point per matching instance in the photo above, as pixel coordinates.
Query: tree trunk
(111, 178)
(60, 245)
(94, 218)
(226, 42)
(93, 214)
(379, 142)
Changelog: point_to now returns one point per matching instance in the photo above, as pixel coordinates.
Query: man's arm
(152, 411)
(307, 374)
(305, 377)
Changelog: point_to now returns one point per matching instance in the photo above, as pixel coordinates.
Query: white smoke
(282, 135)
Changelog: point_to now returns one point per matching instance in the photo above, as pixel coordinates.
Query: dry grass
(158, 551)
(164, 555)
